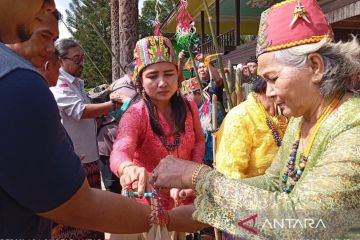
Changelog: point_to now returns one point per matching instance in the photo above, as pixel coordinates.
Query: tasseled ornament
(185, 28)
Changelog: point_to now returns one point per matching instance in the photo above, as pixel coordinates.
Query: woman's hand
(136, 176)
(173, 172)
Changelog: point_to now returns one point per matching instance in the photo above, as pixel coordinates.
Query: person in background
(252, 64)
(78, 116)
(261, 128)
(210, 78)
(106, 133)
(127, 78)
(52, 69)
(205, 112)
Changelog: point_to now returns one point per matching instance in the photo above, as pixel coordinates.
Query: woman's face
(196, 96)
(293, 89)
(160, 81)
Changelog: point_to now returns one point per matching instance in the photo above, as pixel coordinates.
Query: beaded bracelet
(196, 174)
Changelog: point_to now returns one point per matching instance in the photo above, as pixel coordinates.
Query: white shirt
(71, 98)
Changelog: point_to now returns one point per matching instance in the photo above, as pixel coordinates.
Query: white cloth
(71, 98)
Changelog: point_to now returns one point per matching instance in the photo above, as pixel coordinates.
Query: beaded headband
(150, 50)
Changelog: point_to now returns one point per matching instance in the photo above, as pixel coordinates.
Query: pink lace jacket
(137, 142)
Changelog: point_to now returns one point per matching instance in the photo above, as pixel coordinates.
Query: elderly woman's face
(293, 89)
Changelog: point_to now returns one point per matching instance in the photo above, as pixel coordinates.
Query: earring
(178, 92)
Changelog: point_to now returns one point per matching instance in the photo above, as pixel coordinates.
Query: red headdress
(291, 23)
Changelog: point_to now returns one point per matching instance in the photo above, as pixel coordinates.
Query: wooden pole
(237, 25)
(214, 126)
(238, 89)
(202, 32)
(221, 65)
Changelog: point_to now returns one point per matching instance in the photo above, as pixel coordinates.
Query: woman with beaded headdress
(160, 123)
(312, 188)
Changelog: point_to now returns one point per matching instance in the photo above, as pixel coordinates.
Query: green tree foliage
(148, 15)
(83, 16)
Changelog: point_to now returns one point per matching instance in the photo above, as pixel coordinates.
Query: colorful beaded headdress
(150, 50)
(190, 85)
(292, 23)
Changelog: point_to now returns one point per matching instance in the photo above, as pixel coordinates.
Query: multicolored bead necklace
(290, 171)
(269, 123)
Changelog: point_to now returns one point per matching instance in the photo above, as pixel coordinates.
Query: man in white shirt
(78, 116)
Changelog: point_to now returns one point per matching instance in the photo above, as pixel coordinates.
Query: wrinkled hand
(173, 172)
(181, 194)
(137, 177)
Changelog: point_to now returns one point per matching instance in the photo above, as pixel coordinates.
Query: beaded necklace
(154, 117)
(269, 123)
(290, 171)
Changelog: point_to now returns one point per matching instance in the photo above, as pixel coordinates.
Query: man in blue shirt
(40, 176)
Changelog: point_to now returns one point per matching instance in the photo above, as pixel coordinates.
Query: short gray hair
(63, 46)
(341, 59)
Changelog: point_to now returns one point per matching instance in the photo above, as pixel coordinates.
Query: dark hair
(130, 67)
(54, 57)
(63, 46)
(259, 85)
(178, 106)
(57, 15)
(251, 59)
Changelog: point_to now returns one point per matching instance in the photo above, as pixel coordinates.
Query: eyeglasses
(77, 60)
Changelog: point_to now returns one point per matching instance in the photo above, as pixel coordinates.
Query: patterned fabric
(245, 146)
(152, 50)
(329, 189)
(189, 86)
(291, 23)
(65, 232)
(137, 142)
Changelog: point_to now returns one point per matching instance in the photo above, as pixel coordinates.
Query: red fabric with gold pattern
(291, 23)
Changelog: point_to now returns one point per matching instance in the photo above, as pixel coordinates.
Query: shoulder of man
(10, 61)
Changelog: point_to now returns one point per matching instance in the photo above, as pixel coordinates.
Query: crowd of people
(171, 152)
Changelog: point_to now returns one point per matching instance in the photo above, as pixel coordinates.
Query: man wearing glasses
(78, 116)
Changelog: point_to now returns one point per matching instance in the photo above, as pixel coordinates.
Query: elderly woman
(312, 188)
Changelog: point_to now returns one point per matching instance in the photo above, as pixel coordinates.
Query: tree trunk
(115, 39)
(128, 30)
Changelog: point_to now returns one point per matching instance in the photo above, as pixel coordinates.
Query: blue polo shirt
(39, 169)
